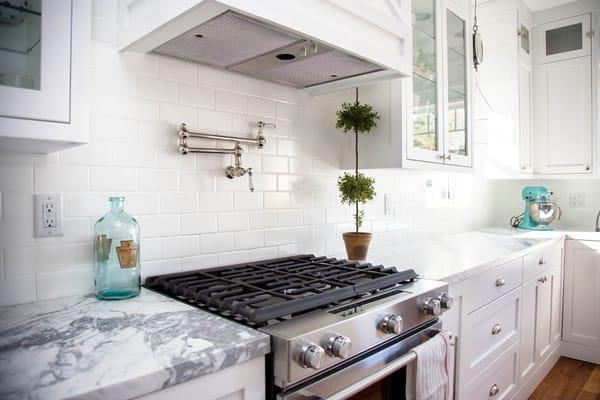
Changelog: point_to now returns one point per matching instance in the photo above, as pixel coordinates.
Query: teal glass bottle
(116, 254)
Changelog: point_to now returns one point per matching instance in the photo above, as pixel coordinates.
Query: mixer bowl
(543, 213)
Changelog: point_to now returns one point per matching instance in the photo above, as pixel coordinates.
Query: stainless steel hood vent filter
(243, 44)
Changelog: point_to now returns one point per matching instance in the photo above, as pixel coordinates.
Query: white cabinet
(582, 299)
(563, 39)
(425, 120)
(563, 116)
(505, 79)
(43, 75)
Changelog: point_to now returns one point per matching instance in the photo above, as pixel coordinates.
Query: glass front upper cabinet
(425, 85)
(564, 39)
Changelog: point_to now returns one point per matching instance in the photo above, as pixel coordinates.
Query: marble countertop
(80, 347)
(457, 257)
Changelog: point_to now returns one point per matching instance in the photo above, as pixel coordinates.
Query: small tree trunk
(356, 165)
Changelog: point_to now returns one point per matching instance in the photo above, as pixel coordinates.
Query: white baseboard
(580, 352)
(526, 388)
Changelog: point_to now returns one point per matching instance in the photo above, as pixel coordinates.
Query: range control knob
(339, 346)
(312, 356)
(391, 323)
(432, 307)
(446, 301)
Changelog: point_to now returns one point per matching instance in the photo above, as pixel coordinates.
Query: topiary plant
(356, 188)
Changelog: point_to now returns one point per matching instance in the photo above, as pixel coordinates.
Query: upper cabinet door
(35, 61)
(424, 137)
(564, 39)
(457, 134)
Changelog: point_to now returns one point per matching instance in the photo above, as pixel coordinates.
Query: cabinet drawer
(490, 285)
(489, 331)
(498, 381)
(540, 260)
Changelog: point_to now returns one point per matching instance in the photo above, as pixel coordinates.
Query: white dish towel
(431, 375)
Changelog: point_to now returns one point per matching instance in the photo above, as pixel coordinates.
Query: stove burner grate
(275, 289)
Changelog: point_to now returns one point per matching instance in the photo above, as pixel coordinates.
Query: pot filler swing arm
(236, 169)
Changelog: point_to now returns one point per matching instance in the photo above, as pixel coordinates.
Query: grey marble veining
(85, 348)
(457, 257)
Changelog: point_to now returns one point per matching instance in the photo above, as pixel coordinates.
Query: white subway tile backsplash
(106, 179)
(249, 239)
(64, 283)
(157, 180)
(60, 178)
(263, 219)
(261, 108)
(234, 221)
(176, 70)
(17, 289)
(280, 200)
(274, 164)
(17, 206)
(179, 246)
(150, 249)
(216, 242)
(277, 236)
(158, 225)
(88, 154)
(190, 215)
(172, 203)
(227, 101)
(109, 129)
(156, 89)
(198, 223)
(196, 96)
(290, 217)
(245, 201)
(215, 201)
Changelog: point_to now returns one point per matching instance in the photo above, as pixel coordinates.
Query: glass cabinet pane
(20, 43)
(563, 39)
(524, 35)
(425, 135)
(457, 84)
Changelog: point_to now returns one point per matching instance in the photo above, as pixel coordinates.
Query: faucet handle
(250, 182)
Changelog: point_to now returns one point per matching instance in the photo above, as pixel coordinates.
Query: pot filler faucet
(236, 169)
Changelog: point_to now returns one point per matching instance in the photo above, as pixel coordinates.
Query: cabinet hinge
(589, 34)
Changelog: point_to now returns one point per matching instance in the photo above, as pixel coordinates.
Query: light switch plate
(48, 214)
(576, 200)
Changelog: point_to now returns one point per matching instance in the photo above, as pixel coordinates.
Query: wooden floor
(570, 380)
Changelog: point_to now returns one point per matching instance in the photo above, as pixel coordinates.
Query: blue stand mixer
(539, 212)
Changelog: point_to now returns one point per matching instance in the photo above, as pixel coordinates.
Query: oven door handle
(356, 387)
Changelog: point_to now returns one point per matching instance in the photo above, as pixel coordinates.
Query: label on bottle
(127, 254)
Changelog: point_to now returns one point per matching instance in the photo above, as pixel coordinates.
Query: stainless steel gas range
(339, 329)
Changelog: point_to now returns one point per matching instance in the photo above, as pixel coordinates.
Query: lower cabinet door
(498, 381)
(582, 293)
(556, 317)
(527, 351)
(543, 315)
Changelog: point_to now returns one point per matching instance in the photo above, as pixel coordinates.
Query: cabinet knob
(542, 261)
(543, 279)
(522, 167)
(494, 390)
(496, 329)
(500, 281)
(449, 157)
(587, 167)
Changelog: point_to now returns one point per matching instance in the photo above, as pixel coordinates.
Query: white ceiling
(537, 5)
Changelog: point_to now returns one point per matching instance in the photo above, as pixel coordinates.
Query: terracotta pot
(357, 245)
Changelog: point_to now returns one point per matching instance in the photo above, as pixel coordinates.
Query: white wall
(508, 201)
(190, 215)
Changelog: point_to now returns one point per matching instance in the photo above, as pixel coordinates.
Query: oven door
(383, 373)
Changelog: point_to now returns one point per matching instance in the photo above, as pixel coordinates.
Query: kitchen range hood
(318, 45)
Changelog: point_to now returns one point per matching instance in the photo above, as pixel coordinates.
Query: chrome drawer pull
(496, 329)
(542, 261)
(500, 281)
(494, 390)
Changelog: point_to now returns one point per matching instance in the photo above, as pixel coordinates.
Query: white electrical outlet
(577, 200)
(48, 214)
(388, 206)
